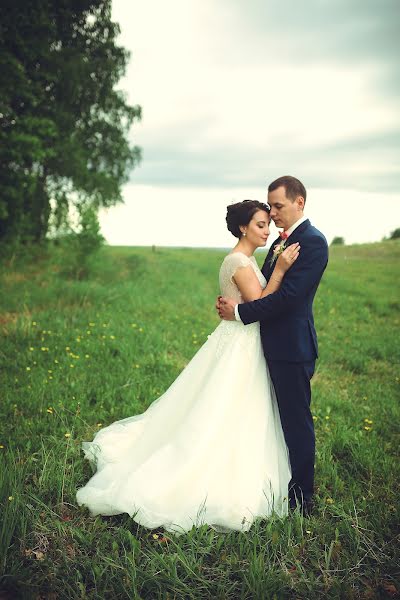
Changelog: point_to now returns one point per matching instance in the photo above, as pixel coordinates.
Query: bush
(337, 241)
(395, 235)
(80, 247)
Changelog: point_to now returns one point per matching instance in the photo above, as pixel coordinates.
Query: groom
(287, 329)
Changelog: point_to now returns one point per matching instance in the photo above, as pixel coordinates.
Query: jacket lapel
(267, 268)
(298, 231)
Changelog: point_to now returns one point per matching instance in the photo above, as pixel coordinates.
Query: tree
(395, 235)
(337, 241)
(63, 125)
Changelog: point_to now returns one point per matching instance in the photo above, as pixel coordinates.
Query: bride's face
(257, 231)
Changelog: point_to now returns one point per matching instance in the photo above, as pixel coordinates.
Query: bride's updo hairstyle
(242, 213)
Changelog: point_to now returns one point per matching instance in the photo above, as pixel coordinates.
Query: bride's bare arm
(247, 281)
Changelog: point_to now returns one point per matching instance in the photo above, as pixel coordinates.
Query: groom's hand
(226, 308)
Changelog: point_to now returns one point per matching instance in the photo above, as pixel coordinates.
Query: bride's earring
(244, 234)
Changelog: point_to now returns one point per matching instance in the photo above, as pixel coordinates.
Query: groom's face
(284, 211)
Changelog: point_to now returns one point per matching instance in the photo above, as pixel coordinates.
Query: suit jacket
(286, 316)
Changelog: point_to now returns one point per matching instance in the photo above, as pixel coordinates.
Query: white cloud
(234, 95)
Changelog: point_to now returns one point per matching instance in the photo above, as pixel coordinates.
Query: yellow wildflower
(67, 435)
(50, 410)
(10, 498)
(329, 501)
(28, 368)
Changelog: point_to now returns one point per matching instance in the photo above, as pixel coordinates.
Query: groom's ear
(300, 202)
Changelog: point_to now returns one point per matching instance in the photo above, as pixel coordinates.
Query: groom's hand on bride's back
(226, 308)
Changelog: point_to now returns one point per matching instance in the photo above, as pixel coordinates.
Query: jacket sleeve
(297, 283)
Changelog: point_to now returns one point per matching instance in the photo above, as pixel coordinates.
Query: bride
(211, 449)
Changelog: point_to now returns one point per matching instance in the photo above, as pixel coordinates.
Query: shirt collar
(295, 225)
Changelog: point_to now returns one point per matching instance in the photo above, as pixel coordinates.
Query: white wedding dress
(209, 450)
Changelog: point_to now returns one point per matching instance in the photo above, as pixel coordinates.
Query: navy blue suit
(290, 346)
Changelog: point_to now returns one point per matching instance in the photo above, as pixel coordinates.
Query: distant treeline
(63, 126)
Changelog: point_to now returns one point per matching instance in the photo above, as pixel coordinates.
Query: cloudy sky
(236, 93)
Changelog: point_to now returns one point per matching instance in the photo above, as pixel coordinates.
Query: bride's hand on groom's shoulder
(288, 257)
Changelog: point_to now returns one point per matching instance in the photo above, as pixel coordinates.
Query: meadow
(78, 355)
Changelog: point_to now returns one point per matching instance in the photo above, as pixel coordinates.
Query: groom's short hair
(293, 187)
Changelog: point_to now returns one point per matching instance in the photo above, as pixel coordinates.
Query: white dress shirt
(289, 232)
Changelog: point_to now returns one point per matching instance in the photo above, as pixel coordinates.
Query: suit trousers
(293, 392)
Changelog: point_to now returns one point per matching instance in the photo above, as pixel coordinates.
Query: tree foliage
(395, 235)
(337, 241)
(63, 125)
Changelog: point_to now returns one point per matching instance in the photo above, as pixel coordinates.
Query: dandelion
(99, 424)
(367, 428)
(50, 410)
(67, 348)
(91, 324)
(31, 349)
(87, 355)
(368, 421)
(56, 361)
(49, 371)
(89, 332)
(50, 376)
(155, 536)
(327, 417)
(28, 368)
(72, 366)
(140, 329)
(315, 417)
(329, 501)
(133, 325)
(112, 337)
(33, 322)
(103, 337)
(11, 498)
(308, 531)
(1, 446)
(67, 435)
(78, 339)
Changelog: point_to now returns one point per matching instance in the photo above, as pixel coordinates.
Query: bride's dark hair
(241, 213)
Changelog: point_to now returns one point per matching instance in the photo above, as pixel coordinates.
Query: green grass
(78, 355)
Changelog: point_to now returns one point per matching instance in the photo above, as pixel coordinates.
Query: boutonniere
(279, 248)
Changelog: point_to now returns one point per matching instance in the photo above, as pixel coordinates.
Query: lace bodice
(230, 264)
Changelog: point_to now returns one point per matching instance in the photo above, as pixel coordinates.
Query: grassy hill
(78, 355)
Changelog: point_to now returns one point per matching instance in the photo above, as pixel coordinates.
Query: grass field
(78, 355)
